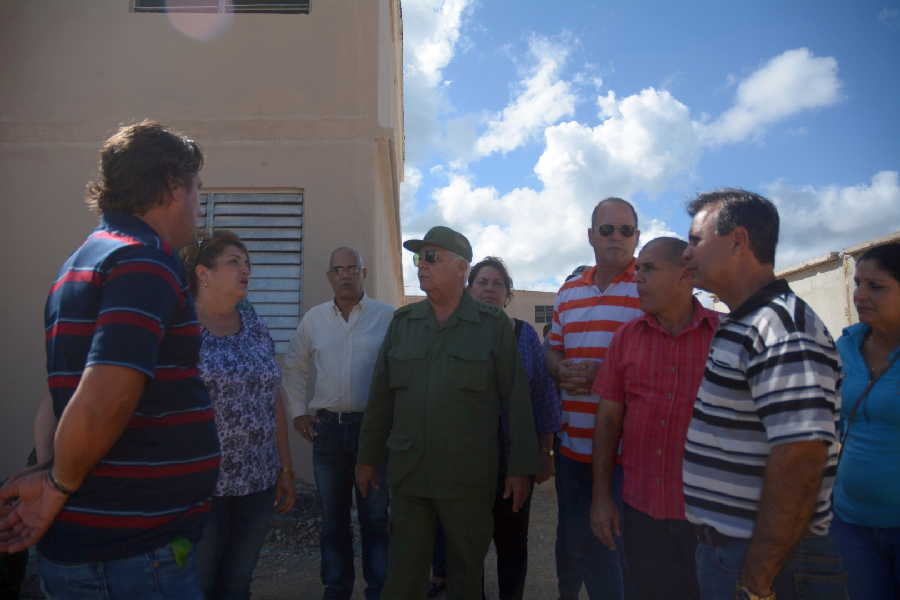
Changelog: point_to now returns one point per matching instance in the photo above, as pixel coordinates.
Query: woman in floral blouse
(237, 364)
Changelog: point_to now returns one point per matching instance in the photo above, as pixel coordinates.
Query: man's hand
(548, 468)
(32, 514)
(366, 477)
(285, 495)
(605, 520)
(518, 487)
(577, 376)
(306, 425)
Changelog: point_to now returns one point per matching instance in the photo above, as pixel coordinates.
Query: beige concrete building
(826, 284)
(299, 113)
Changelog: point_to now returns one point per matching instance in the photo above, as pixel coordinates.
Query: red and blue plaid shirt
(656, 375)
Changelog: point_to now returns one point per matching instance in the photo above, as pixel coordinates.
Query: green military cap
(443, 237)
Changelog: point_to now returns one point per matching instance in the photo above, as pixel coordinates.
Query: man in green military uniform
(447, 370)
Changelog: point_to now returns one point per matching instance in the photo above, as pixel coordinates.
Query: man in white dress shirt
(327, 372)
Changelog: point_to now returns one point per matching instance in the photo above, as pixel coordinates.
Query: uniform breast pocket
(402, 367)
(469, 370)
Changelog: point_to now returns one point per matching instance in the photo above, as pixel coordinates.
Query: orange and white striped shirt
(584, 321)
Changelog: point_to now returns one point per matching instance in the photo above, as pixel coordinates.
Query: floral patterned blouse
(241, 375)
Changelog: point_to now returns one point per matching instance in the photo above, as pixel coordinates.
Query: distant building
(297, 104)
(826, 283)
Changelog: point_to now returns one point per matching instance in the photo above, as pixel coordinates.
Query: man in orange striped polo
(588, 310)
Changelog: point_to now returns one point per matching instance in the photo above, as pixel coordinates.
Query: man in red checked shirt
(647, 386)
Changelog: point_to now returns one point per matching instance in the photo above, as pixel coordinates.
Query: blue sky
(521, 115)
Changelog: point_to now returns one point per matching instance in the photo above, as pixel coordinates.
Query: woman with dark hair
(867, 490)
(237, 364)
(490, 282)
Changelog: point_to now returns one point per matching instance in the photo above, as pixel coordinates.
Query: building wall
(826, 284)
(300, 102)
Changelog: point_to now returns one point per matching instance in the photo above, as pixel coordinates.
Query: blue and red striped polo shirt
(122, 299)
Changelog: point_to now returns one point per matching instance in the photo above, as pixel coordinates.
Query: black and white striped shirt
(770, 379)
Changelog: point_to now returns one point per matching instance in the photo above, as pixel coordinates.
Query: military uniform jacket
(436, 398)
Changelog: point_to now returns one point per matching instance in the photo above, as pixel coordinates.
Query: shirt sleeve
(296, 368)
(379, 415)
(793, 385)
(609, 382)
(544, 399)
(514, 401)
(140, 297)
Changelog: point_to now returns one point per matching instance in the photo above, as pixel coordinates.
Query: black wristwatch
(743, 593)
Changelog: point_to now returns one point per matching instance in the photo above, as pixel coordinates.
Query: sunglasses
(430, 256)
(606, 230)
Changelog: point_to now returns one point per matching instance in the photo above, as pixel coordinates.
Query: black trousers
(511, 543)
(659, 554)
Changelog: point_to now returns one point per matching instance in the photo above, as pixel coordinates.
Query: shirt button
(659, 452)
(663, 422)
(669, 395)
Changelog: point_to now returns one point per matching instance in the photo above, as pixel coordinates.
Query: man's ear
(364, 271)
(740, 239)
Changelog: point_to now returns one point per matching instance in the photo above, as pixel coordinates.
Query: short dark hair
(613, 199)
(139, 164)
(885, 256)
(497, 263)
(740, 208)
(206, 250)
(672, 247)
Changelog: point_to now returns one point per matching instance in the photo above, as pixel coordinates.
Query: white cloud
(431, 36)
(819, 220)
(643, 141)
(412, 181)
(789, 83)
(543, 99)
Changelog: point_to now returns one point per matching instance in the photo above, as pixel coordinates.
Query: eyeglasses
(430, 256)
(606, 230)
(349, 270)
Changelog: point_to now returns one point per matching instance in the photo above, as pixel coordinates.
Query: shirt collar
(360, 306)
(760, 298)
(627, 274)
(466, 311)
(134, 227)
(699, 315)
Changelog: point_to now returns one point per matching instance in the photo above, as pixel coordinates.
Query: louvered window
(271, 226)
(543, 313)
(218, 6)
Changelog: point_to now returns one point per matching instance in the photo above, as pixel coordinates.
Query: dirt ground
(288, 567)
(284, 574)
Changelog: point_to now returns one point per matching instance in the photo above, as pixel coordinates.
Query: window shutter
(271, 226)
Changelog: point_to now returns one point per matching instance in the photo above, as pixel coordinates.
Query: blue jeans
(580, 556)
(150, 576)
(234, 535)
(334, 464)
(872, 558)
(812, 571)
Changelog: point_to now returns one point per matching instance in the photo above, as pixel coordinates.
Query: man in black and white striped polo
(761, 449)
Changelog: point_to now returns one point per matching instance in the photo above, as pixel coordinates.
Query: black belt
(712, 537)
(329, 416)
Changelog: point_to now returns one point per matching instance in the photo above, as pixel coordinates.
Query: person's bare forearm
(793, 477)
(281, 434)
(606, 439)
(94, 419)
(44, 428)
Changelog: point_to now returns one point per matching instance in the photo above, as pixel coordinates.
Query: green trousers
(468, 524)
